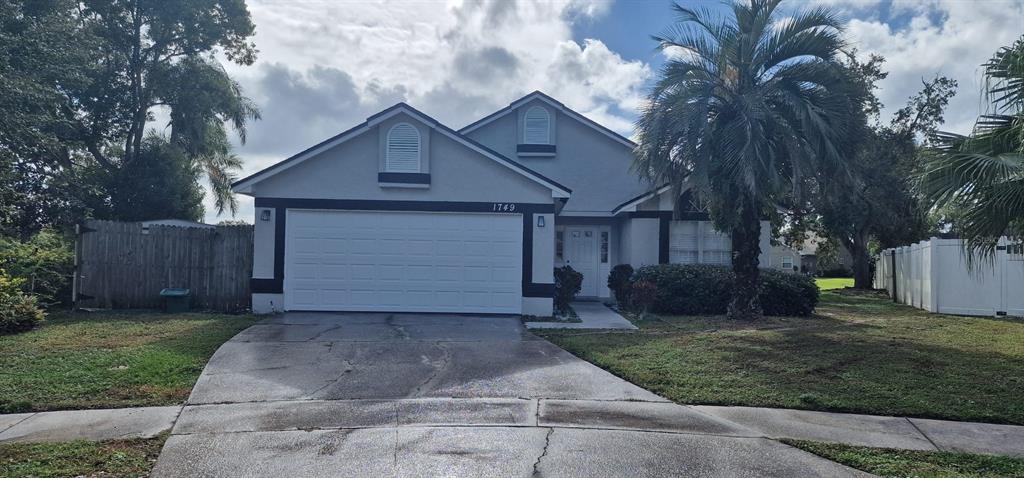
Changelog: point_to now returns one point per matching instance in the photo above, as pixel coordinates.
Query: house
(783, 258)
(838, 261)
(402, 213)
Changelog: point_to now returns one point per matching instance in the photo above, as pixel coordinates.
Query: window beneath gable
(403, 149)
(537, 126)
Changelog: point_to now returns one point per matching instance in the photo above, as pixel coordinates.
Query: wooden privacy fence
(124, 265)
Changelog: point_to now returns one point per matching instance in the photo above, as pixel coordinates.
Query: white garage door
(403, 261)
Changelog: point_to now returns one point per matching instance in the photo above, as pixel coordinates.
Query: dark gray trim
(414, 206)
(664, 224)
(404, 178)
(535, 148)
(281, 205)
(266, 286)
(685, 216)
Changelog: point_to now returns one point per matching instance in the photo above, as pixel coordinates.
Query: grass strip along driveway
(110, 360)
(861, 354)
(111, 459)
(888, 463)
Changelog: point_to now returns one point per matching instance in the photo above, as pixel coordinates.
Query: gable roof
(555, 104)
(632, 203)
(244, 185)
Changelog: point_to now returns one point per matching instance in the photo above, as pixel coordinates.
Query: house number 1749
(504, 207)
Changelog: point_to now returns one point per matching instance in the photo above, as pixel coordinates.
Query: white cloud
(942, 37)
(325, 66)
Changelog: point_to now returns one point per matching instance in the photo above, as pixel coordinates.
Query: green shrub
(619, 283)
(644, 294)
(568, 283)
(788, 294)
(45, 262)
(18, 311)
(700, 289)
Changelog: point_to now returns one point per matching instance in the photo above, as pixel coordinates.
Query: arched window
(403, 153)
(536, 126)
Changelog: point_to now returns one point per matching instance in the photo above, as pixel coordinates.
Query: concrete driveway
(319, 394)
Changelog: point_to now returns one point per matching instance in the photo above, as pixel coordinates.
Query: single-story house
(404, 214)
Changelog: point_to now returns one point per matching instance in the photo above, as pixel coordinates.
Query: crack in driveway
(543, 453)
(446, 358)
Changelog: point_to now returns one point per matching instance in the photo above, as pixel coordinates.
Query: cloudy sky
(325, 65)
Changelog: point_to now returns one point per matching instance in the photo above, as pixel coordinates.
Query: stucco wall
(349, 171)
(587, 161)
(263, 245)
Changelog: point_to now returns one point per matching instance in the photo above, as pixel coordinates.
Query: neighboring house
(812, 264)
(784, 258)
(404, 214)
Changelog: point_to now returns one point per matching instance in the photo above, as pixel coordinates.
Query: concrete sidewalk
(94, 425)
(649, 417)
(593, 315)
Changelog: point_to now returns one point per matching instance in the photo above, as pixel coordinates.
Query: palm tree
(981, 176)
(748, 107)
(203, 99)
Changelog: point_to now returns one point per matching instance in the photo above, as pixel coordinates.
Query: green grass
(913, 464)
(109, 360)
(860, 354)
(831, 283)
(113, 459)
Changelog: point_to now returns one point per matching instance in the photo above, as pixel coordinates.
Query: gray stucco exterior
(578, 182)
(594, 165)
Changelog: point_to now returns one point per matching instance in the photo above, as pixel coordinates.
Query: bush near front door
(699, 289)
(568, 283)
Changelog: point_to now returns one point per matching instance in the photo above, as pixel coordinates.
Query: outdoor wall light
(540, 221)
(265, 215)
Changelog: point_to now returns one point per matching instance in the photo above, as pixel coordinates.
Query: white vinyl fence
(933, 275)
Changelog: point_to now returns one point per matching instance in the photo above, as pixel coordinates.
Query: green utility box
(175, 300)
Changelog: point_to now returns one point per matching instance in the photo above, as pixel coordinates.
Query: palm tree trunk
(746, 247)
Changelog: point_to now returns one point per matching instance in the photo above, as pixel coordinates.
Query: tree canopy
(86, 79)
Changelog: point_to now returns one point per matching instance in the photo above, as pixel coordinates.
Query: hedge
(699, 289)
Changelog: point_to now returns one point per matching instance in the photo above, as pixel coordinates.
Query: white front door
(581, 254)
(403, 261)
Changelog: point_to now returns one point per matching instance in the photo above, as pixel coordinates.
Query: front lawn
(114, 459)
(888, 463)
(107, 360)
(860, 354)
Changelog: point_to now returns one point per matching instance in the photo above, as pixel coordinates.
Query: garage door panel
(423, 262)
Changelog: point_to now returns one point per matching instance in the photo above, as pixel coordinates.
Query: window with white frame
(683, 242)
(787, 263)
(403, 149)
(717, 246)
(536, 126)
(559, 244)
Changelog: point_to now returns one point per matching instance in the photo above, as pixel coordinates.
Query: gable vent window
(403, 154)
(537, 126)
